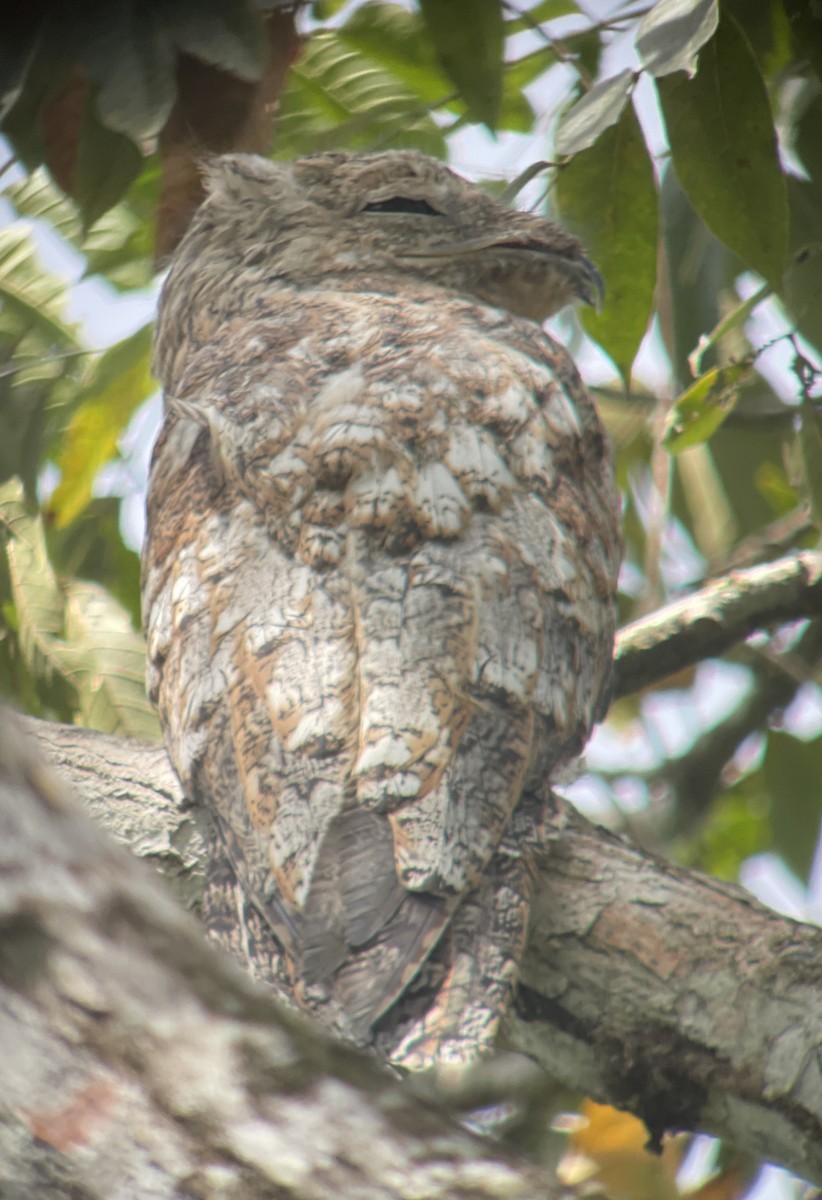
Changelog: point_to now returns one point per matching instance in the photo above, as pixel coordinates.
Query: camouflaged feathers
(382, 546)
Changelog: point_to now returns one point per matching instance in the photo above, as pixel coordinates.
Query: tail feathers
(371, 978)
(363, 935)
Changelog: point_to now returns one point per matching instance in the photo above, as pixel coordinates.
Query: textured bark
(138, 1063)
(654, 988)
(712, 620)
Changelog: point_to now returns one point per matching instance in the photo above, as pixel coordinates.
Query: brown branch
(712, 620)
(649, 986)
(137, 1061)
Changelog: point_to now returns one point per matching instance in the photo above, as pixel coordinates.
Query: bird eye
(402, 204)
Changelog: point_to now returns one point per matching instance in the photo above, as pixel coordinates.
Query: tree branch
(654, 988)
(724, 612)
(139, 1062)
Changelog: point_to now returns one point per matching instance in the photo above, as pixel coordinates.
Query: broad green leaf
(723, 143)
(107, 163)
(768, 27)
(699, 411)
(607, 194)
(135, 89)
(105, 657)
(597, 111)
(45, 76)
(120, 382)
(469, 39)
(227, 33)
(810, 449)
(698, 278)
(671, 35)
(802, 289)
(337, 98)
(793, 771)
(38, 600)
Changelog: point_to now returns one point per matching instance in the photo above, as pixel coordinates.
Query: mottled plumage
(381, 559)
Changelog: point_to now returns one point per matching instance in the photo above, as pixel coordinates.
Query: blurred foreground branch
(137, 1061)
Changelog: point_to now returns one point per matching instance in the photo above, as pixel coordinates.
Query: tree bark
(138, 1062)
(645, 985)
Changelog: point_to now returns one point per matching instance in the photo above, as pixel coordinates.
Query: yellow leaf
(607, 1149)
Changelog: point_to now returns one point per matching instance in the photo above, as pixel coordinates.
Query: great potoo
(379, 578)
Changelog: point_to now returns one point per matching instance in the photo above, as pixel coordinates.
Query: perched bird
(380, 568)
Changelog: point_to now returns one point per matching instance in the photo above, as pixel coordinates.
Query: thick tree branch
(674, 995)
(712, 620)
(138, 1062)
(652, 987)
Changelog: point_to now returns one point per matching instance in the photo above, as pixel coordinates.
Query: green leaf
(37, 197)
(227, 33)
(699, 411)
(671, 35)
(397, 40)
(698, 278)
(105, 657)
(336, 98)
(130, 61)
(120, 382)
(736, 317)
(793, 771)
(608, 194)
(810, 450)
(41, 358)
(597, 111)
(547, 10)
(107, 163)
(723, 143)
(92, 547)
(736, 827)
(38, 600)
(28, 293)
(469, 39)
(119, 245)
(45, 76)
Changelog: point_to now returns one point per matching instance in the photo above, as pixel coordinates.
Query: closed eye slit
(402, 204)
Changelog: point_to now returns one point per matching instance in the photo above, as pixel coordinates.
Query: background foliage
(681, 139)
